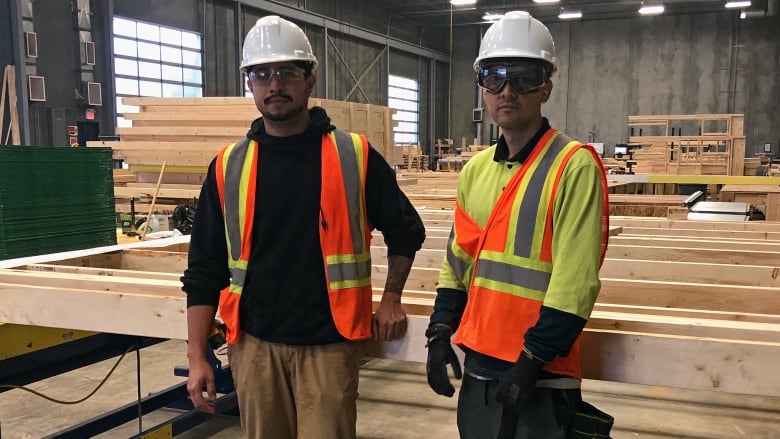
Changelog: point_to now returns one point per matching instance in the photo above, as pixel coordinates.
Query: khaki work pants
(295, 392)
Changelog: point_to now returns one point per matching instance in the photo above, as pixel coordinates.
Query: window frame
(190, 86)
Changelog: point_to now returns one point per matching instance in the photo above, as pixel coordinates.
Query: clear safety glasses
(523, 79)
(263, 76)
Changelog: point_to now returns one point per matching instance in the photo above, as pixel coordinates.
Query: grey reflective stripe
(560, 383)
(233, 169)
(529, 207)
(352, 185)
(458, 266)
(237, 276)
(349, 271)
(513, 275)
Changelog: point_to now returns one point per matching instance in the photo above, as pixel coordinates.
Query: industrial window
(403, 94)
(152, 60)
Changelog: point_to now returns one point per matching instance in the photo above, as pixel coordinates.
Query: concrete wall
(684, 64)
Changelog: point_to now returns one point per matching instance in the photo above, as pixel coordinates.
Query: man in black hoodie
(275, 215)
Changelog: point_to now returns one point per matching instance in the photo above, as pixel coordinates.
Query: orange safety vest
(512, 256)
(345, 234)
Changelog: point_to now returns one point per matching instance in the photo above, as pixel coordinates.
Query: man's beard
(283, 116)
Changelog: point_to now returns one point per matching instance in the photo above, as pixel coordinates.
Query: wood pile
(716, 147)
(683, 303)
(187, 133)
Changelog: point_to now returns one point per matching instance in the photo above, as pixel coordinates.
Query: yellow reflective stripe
(234, 263)
(246, 171)
(236, 289)
(356, 283)
(348, 258)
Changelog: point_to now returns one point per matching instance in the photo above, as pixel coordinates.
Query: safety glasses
(263, 76)
(522, 79)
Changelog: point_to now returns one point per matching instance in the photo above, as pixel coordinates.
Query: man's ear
(546, 91)
(311, 81)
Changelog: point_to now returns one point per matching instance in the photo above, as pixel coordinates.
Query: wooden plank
(715, 256)
(96, 271)
(154, 260)
(730, 298)
(698, 225)
(687, 242)
(165, 192)
(672, 361)
(142, 314)
(698, 272)
(121, 285)
(686, 362)
(701, 233)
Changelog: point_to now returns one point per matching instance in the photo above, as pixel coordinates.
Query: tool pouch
(588, 422)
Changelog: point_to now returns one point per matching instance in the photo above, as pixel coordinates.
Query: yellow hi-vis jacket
(526, 237)
(345, 234)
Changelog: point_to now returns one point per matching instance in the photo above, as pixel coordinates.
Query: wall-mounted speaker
(36, 88)
(89, 53)
(94, 94)
(31, 44)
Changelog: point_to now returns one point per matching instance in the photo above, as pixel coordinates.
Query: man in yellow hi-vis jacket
(521, 273)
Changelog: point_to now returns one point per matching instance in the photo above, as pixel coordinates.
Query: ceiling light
(546, 1)
(651, 9)
(737, 4)
(492, 16)
(570, 15)
(743, 15)
(463, 2)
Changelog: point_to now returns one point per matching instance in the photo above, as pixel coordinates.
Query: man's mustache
(283, 96)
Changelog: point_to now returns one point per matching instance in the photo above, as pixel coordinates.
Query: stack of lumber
(683, 303)
(187, 133)
(716, 147)
(55, 199)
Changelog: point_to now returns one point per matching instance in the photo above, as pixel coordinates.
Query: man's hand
(440, 354)
(390, 318)
(201, 375)
(518, 383)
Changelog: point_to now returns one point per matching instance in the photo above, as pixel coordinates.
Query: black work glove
(440, 353)
(518, 383)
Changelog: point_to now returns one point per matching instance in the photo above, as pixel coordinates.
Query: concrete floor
(395, 403)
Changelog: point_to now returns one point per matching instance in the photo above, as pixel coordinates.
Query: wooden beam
(700, 233)
(671, 361)
(715, 256)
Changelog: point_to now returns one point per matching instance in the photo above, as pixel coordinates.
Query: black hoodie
(285, 299)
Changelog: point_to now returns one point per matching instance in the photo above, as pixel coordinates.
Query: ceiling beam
(345, 28)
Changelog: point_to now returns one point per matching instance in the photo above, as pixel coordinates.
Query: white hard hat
(274, 39)
(517, 35)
